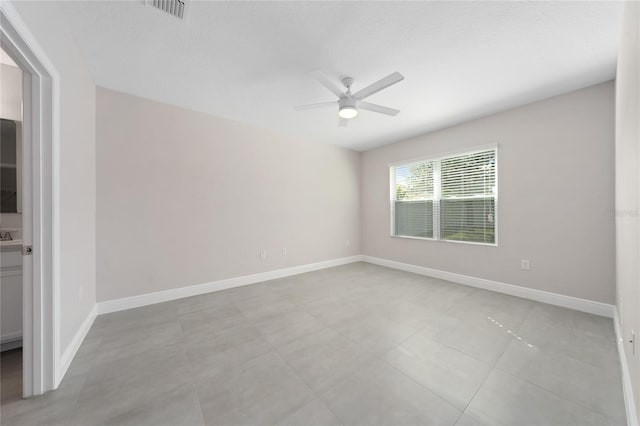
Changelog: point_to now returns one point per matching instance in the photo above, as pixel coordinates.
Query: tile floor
(355, 345)
(10, 377)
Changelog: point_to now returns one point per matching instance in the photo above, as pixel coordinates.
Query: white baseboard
(11, 341)
(9, 337)
(629, 401)
(584, 305)
(76, 342)
(195, 290)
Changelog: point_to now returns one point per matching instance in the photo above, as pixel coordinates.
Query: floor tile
(212, 320)
(451, 374)
(302, 293)
(137, 341)
(376, 334)
(566, 377)
(246, 292)
(215, 300)
(85, 357)
(178, 407)
(507, 400)
(398, 310)
(555, 337)
(265, 305)
(587, 324)
(443, 295)
(262, 391)
(333, 310)
(282, 284)
(324, 358)
(481, 304)
(467, 420)
(52, 408)
(10, 376)
(356, 344)
(211, 354)
(123, 385)
(284, 328)
(481, 338)
(378, 394)
(314, 413)
(144, 316)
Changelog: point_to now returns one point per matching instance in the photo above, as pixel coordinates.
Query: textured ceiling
(249, 61)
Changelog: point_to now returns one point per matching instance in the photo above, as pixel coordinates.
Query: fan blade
(377, 108)
(313, 106)
(326, 82)
(379, 85)
(342, 122)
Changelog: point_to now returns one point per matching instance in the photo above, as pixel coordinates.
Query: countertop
(11, 243)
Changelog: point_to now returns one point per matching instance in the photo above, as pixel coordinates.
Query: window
(451, 198)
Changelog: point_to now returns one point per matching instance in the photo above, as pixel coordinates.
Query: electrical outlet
(285, 251)
(263, 254)
(525, 265)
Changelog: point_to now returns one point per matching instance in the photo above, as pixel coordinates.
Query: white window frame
(436, 194)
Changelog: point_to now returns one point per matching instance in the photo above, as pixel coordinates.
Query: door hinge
(27, 250)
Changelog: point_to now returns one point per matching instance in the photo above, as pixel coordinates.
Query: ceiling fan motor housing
(346, 105)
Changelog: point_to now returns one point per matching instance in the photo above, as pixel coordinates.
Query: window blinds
(451, 198)
(414, 196)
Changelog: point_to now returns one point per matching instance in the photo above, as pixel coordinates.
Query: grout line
(493, 368)
(563, 397)
(587, 408)
(434, 391)
(313, 391)
(495, 363)
(373, 356)
(448, 311)
(295, 372)
(279, 355)
(193, 384)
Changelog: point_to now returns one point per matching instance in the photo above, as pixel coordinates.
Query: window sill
(445, 241)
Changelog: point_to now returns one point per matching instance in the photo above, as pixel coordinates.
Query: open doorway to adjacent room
(11, 274)
(28, 221)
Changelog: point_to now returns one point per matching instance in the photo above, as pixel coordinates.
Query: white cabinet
(10, 294)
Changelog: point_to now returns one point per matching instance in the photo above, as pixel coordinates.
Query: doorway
(38, 197)
(11, 284)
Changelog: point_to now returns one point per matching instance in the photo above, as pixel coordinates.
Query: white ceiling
(249, 61)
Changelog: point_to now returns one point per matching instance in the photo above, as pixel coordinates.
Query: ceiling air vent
(177, 8)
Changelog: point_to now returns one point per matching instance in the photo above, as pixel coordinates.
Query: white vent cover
(177, 8)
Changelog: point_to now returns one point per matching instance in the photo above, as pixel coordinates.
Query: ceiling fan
(349, 103)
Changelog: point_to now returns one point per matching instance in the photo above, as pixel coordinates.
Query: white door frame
(41, 324)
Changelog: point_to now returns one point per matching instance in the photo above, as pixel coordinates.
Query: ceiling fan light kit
(348, 108)
(349, 104)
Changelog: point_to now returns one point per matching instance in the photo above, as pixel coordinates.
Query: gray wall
(77, 206)
(186, 198)
(627, 192)
(555, 171)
